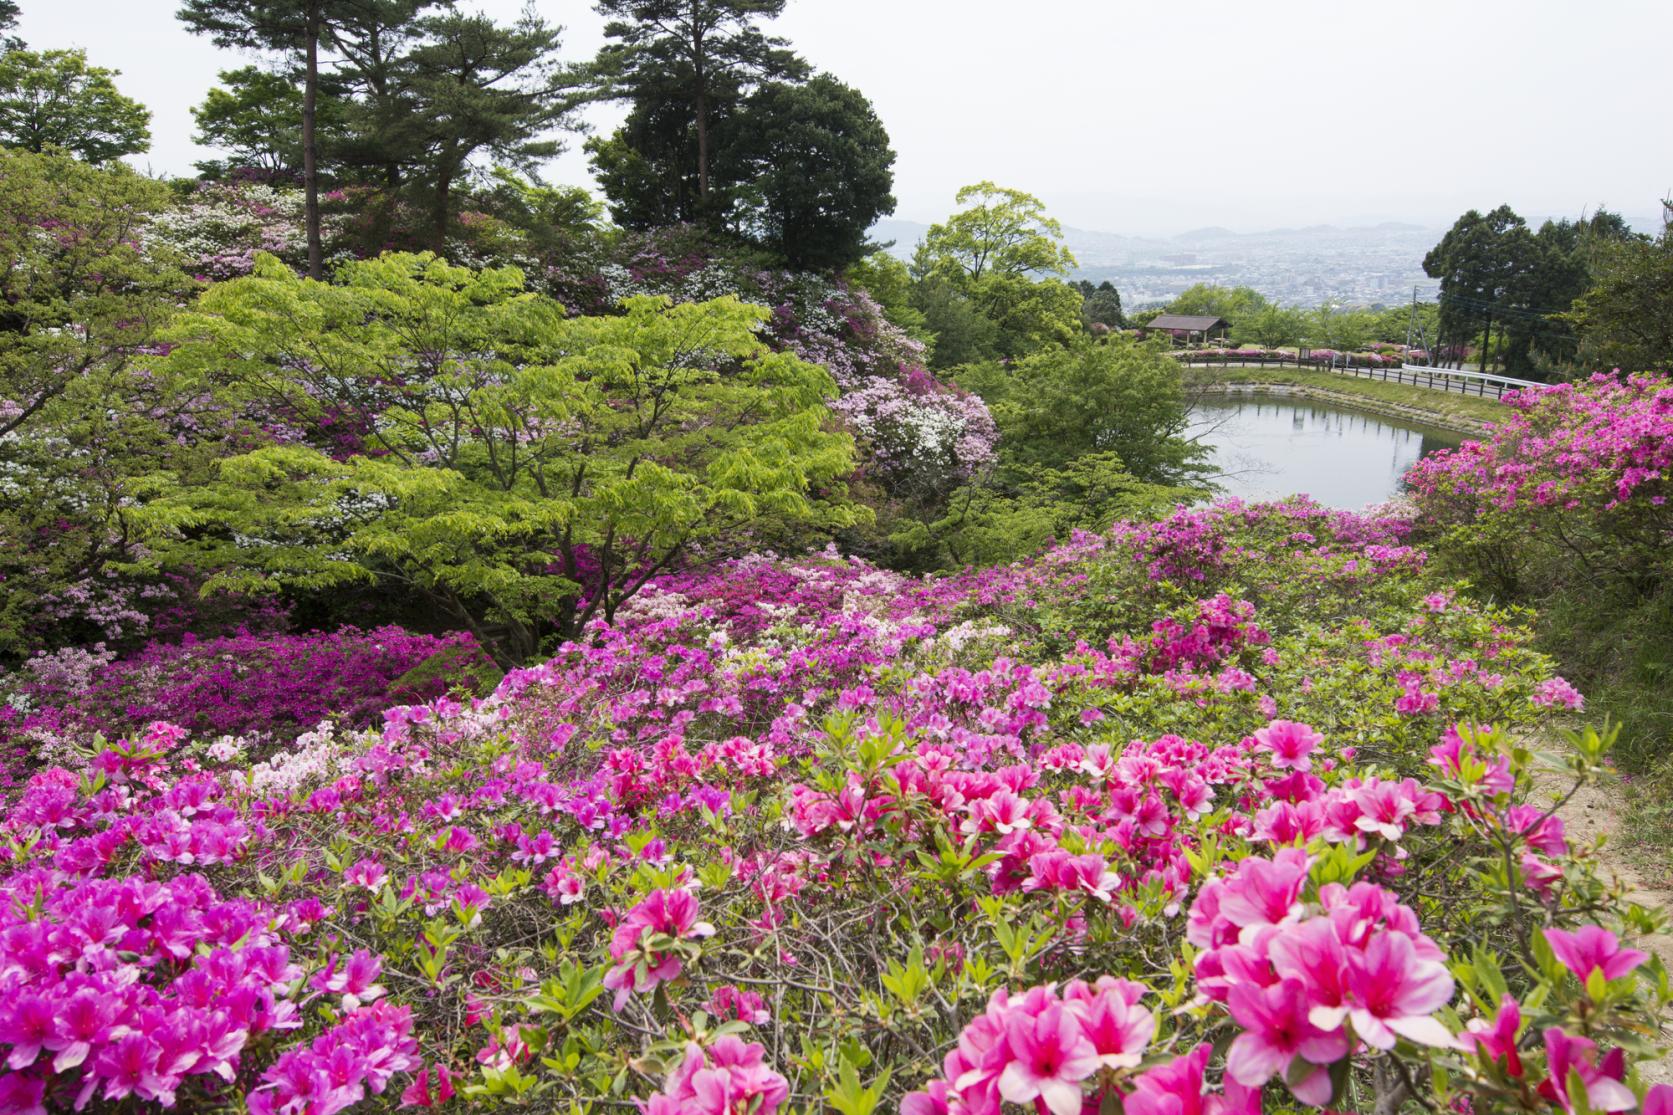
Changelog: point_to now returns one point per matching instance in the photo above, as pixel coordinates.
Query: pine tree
(707, 52)
(293, 28)
(475, 86)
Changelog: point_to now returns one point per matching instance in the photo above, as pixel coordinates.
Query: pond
(1270, 447)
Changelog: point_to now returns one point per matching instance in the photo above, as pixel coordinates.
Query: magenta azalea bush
(261, 688)
(1196, 815)
(1600, 451)
(1565, 506)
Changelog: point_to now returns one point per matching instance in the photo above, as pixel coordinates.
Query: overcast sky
(1151, 118)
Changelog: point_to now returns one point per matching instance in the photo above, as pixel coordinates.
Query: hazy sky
(1153, 117)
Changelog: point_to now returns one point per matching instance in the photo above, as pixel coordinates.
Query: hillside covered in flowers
(476, 643)
(1237, 807)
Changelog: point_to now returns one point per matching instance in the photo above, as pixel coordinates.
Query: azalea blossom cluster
(247, 685)
(1039, 1049)
(1605, 444)
(217, 231)
(640, 963)
(1246, 353)
(1305, 981)
(128, 987)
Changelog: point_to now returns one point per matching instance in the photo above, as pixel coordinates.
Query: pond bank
(1460, 414)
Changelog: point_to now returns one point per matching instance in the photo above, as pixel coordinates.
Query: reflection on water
(1272, 447)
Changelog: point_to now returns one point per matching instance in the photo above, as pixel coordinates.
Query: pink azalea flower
(1602, 1081)
(1498, 1041)
(1558, 693)
(1396, 993)
(1110, 1017)
(419, 1093)
(1050, 1056)
(1276, 1032)
(1312, 953)
(1265, 892)
(22, 1094)
(1290, 743)
(671, 913)
(730, 1077)
(1591, 948)
(1176, 1088)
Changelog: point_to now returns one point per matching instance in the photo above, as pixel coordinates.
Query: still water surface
(1275, 447)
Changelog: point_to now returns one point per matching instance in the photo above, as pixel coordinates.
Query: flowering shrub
(262, 688)
(919, 431)
(1565, 505)
(1145, 820)
(218, 230)
(1602, 449)
(1320, 356)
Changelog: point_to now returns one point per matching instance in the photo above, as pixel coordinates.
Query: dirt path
(1594, 812)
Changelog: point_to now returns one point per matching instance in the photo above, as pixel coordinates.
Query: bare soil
(1596, 811)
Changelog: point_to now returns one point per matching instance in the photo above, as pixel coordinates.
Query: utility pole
(1411, 322)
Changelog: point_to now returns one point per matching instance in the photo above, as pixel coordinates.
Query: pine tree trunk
(310, 154)
(438, 233)
(702, 147)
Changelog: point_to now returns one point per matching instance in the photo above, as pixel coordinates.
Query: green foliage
(54, 99)
(521, 469)
(1270, 326)
(1344, 330)
(8, 23)
(255, 116)
(1232, 303)
(1497, 274)
(1027, 315)
(559, 224)
(647, 168)
(1626, 319)
(889, 281)
(459, 665)
(1101, 305)
(1021, 510)
(816, 167)
(703, 55)
(76, 422)
(998, 231)
(963, 334)
(1088, 435)
(998, 254)
(1118, 396)
(474, 87)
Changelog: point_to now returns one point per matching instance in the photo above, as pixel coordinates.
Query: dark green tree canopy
(1496, 273)
(54, 99)
(647, 168)
(255, 116)
(816, 166)
(475, 87)
(8, 24)
(1100, 305)
(704, 53)
(1626, 319)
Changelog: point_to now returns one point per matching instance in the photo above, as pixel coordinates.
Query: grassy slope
(1465, 413)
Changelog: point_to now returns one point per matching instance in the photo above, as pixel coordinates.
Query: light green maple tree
(452, 434)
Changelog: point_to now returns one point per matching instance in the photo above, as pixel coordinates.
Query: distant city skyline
(1146, 119)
